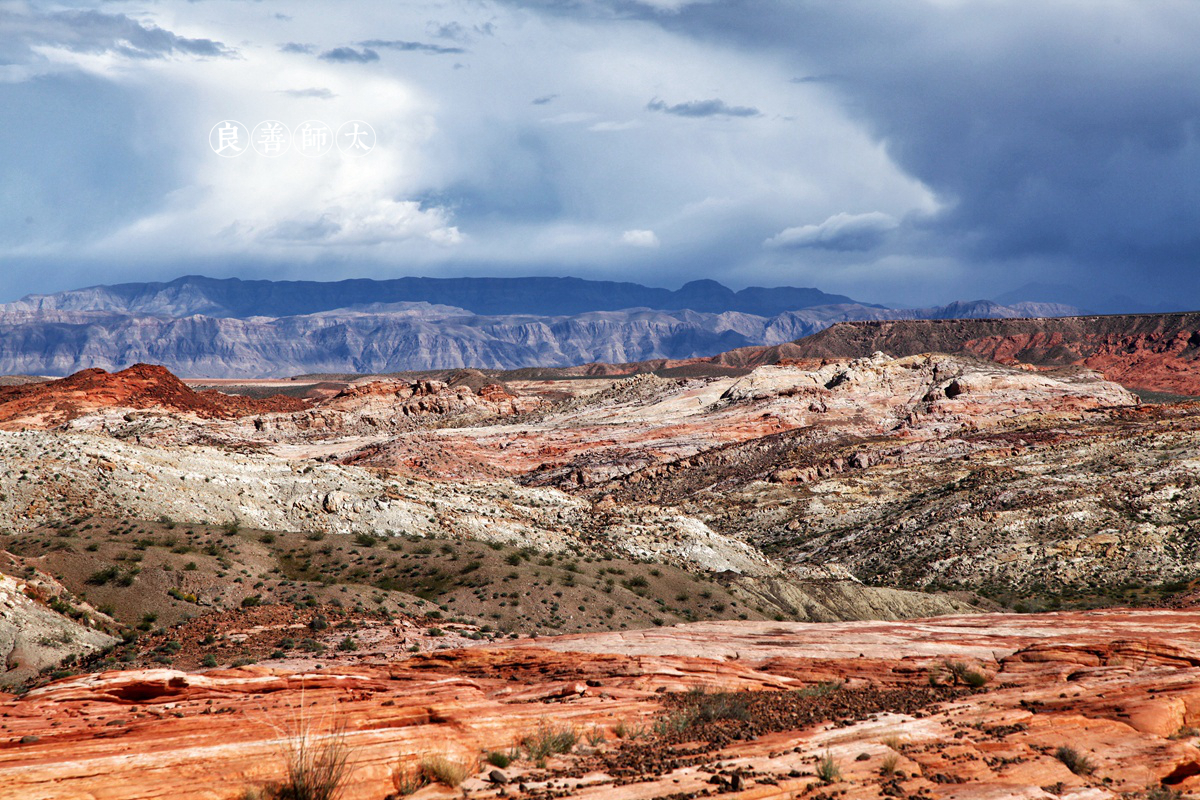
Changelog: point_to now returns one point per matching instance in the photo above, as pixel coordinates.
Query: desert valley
(599, 400)
(846, 566)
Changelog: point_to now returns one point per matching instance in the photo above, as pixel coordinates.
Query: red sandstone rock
(142, 386)
(1077, 680)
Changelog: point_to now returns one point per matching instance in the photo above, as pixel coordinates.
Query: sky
(904, 152)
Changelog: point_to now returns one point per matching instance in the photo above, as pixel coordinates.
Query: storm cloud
(702, 108)
(913, 151)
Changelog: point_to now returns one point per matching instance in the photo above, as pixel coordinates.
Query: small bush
(627, 731)
(209, 661)
(498, 759)
(1073, 760)
(347, 645)
(549, 740)
(317, 767)
(719, 705)
(888, 767)
(103, 576)
(962, 674)
(828, 770)
(446, 771)
(408, 779)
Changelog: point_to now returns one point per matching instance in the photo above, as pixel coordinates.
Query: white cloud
(840, 232)
(640, 238)
(467, 169)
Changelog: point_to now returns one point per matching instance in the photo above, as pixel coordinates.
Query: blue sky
(909, 151)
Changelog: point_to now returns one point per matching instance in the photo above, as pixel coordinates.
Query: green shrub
(549, 740)
(103, 576)
(1073, 760)
(828, 770)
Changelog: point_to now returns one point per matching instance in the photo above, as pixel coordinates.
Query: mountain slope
(1156, 352)
(232, 297)
(194, 335)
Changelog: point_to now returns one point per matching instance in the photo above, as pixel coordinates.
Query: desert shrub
(408, 779)
(347, 645)
(963, 674)
(828, 770)
(446, 771)
(628, 731)
(498, 759)
(209, 661)
(888, 767)
(823, 689)
(252, 601)
(718, 705)
(549, 740)
(1073, 760)
(317, 766)
(102, 576)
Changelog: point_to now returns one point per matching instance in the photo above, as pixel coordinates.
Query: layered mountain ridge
(200, 327)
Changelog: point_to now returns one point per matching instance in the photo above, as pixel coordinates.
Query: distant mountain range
(202, 327)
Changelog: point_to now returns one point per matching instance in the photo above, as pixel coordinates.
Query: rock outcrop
(1098, 705)
(142, 386)
(1155, 352)
(34, 636)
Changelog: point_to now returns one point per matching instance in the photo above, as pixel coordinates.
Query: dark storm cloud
(702, 108)
(1061, 135)
(95, 32)
(411, 47)
(349, 55)
(449, 30)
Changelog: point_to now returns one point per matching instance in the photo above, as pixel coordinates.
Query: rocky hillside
(1156, 352)
(910, 473)
(46, 404)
